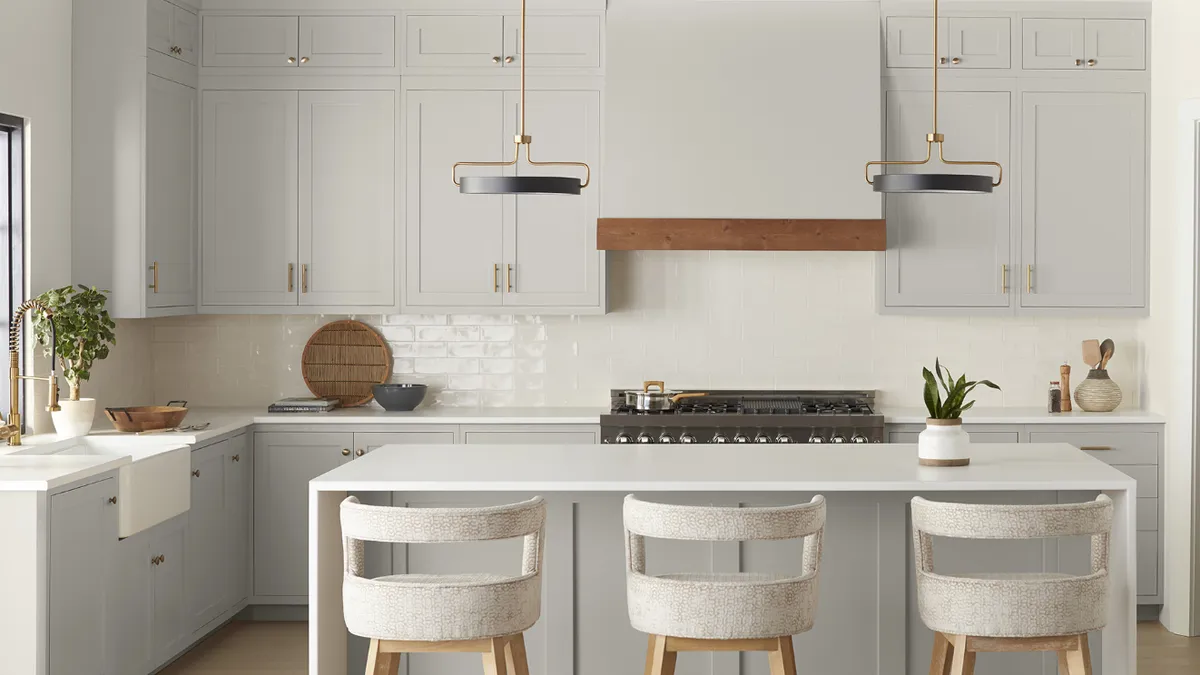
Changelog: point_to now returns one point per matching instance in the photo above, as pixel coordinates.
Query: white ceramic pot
(944, 443)
(75, 418)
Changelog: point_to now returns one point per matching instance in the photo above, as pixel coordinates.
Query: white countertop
(39, 473)
(1027, 415)
(708, 468)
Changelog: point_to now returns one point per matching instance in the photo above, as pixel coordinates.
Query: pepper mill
(1064, 376)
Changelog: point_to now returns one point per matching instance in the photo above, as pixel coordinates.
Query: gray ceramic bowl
(399, 397)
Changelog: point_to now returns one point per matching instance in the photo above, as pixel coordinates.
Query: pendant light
(521, 185)
(949, 183)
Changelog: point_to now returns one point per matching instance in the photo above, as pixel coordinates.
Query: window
(12, 223)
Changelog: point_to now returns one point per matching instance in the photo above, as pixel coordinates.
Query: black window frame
(12, 223)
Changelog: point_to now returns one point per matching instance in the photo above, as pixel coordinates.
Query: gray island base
(867, 620)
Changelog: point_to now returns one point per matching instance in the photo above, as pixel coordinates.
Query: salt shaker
(1054, 399)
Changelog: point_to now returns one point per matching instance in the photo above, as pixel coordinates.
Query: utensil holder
(1098, 393)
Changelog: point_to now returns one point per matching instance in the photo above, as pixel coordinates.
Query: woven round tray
(343, 360)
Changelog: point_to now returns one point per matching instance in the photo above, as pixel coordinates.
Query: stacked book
(303, 405)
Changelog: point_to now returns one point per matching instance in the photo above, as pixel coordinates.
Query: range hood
(739, 234)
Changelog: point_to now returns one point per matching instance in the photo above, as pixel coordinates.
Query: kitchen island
(867, 620)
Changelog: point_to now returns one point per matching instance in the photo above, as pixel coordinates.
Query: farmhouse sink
(154, 486)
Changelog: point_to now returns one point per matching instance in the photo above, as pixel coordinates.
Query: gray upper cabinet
(491, 42)
(948, 250)
(239, 41)
(1083, 184)
(965, 42)
(259, 41)
(1083, 44)
(83, 537)
(1115, 44)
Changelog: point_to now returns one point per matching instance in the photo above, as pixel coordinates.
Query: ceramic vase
(944, 443)
(1097, 393)
(75, 418)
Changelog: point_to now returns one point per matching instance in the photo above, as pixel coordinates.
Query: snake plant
(955, 402)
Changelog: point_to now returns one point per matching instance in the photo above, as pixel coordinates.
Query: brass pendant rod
(523, 68)
(935, 66)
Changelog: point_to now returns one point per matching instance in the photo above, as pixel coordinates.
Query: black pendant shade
(942, 183)
(519, 185)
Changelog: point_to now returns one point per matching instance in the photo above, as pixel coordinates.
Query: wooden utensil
(1106, 351)
(1091, 352)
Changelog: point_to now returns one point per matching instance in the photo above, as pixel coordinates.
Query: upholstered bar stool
(1039, 612)
(721, 611)
(485, 613)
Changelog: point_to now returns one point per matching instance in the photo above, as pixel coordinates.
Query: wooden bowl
(146, 417)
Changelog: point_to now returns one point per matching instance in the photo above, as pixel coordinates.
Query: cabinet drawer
(348, 41)
(458, 41)
(1147, 514)
(1115, 447)
(554, 41)
(1147, 563)
(258, 41)
(529, 437)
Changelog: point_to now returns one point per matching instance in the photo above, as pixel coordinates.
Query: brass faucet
(12, 429)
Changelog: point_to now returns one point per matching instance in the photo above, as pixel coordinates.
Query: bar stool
(1036, 612)
(485, 613)
(741, 611)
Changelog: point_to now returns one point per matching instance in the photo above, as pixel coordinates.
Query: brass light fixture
(950, 183)
(519, 185)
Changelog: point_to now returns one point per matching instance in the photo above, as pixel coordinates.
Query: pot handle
(653, 383)
(676, 397)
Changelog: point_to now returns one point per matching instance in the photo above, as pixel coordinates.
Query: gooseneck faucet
(12, 429)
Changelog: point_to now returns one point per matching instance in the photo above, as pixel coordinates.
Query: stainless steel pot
(645, 400)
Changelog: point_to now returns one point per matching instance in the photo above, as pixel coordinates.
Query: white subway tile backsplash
(447, 366)
(497, 333)
(398, 333)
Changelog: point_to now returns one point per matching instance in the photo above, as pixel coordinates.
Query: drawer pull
(1095, 447)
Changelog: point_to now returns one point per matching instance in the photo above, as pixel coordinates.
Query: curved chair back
(406, 525)
(723, 523)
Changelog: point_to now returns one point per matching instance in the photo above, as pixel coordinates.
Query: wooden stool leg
(1077, 661)
(940, 663)
(514, 653)
(494, 661)
(659, 661)
(964, 661)
(381, 662)
(783, 657)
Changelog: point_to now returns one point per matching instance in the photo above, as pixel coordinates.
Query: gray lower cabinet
(218, 533)
(128, 615)
(509, 434)
(238, 474)
(83, 537)
(977, 435)
(168, 603)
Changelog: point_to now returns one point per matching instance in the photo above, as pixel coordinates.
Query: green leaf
(957, 391)
(933, 399)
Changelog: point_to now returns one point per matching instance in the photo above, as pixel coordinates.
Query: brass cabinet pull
(509, 278)
(1095, 447)
(291, 59)
(303, 59)
(944, 60)
(495, 278)
(154, 560)
(1079, 62)
(291, 277)
(1004, 278)
(162, 558)
(195, 473)
(1029, 278)
(236, 458)
(495, 59)
(154, 275)
(359, 452)
(508, 59)
(304, 278)
(112, 500)
(956, 60)
(345, 452)
(1091, 62)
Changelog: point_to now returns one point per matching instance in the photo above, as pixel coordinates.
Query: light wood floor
(262, 648)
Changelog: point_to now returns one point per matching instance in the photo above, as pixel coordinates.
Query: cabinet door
(980, 42)
(237, 519)
(128, 617)
(160, 22)
(554, 41)
(948, 250)
(910, 41)
(83, 538)
(185, 32)
(284, 463)
(250, 166)
(549, 437)
(168, 617)
(1083, 199)
(1116, 44)
(458, 41)
(348, 41)
(348, 198)
(551, 243)
(259, 41)
(170, 193)
(455, 242)
(1005, 437)
(370, 441)
(1052, 44)
(207, 553)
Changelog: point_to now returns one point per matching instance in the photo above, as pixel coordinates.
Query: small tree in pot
(944, 443)
(83, 334)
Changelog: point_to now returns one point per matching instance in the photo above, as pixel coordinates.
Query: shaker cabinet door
(347, 207)
(170, 193)
(251, 41)
(1115, 44)
(1052, 44)
(910, 41)
(168, 616)
(948, 250)
(454, 41)
(980, 42)
(238, 462)
(554, 41)
(455, 241)
(1083, 200)
(206, 534)
(249, 169)
(348, 41)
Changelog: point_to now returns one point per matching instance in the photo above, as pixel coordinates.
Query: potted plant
(944, 442)
(83, 334)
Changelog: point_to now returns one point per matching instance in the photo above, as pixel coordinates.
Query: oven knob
(645, 438)
(741, 438)
(624, 438)
(687, 437)
(816, 438)
(837, 438)
(877, 440)
(762, 438)
(666, 438)
(719, 438)
(783, 438)
(858, 438)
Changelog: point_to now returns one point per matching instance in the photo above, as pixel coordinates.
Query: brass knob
(112, 500)
(162, 558)
(1079, 62)
(345, 452)
(303, 59)
(291, 59)
(195, 473)
(359, 452)
(236, 458)
(509, 59)
(1091, 62)
(956, 60)
(495, 59)
(944, 60)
